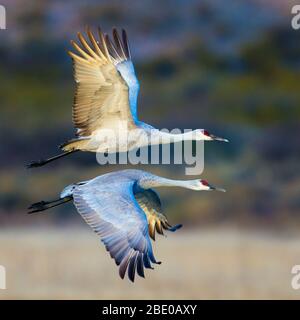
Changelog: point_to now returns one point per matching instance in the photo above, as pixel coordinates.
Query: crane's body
(105, 104)
(124, 210)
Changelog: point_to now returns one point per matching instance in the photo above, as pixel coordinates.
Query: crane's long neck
(155, 181)
(166, 137)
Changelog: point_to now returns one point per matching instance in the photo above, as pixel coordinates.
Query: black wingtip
(126, 44)
(131, 277)
(140, 265)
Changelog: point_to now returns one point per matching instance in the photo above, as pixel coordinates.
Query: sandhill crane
(124, 210)
(106, 99)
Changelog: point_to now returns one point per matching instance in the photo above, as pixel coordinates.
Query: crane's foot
(38, 206)
(35, 164)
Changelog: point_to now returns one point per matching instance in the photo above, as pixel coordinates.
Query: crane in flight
(105, 103)
(124, 210)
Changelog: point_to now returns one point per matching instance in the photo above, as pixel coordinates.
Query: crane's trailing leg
(39, 163)
(44, 205)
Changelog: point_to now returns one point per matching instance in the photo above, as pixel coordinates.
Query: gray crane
(124, 210)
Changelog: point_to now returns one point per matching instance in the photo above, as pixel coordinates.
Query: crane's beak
(216, 188)
(218, 138)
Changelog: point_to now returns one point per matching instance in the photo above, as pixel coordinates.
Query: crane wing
(113, 213)
(106, 85)
(150, 203)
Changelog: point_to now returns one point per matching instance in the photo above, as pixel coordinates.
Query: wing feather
(102, 45)
(114, 214)
(96, 45)
(102, 92)
(126, 44)
(119, 44)
(150, 203)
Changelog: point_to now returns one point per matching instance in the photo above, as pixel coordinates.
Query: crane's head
(205, 135)
(202, 184)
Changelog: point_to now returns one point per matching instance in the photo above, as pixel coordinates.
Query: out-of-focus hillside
(231, 69)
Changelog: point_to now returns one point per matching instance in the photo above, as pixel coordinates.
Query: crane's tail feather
(42, 162)
(44, 205)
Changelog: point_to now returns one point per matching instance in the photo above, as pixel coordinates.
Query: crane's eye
(204, 182)
(206, 133)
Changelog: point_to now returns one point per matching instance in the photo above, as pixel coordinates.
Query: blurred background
(232, 69)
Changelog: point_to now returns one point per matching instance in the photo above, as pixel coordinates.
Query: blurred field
(203, 264)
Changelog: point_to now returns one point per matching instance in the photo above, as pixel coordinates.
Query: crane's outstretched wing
(104, 75)
(149, 201)
(116, 217)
